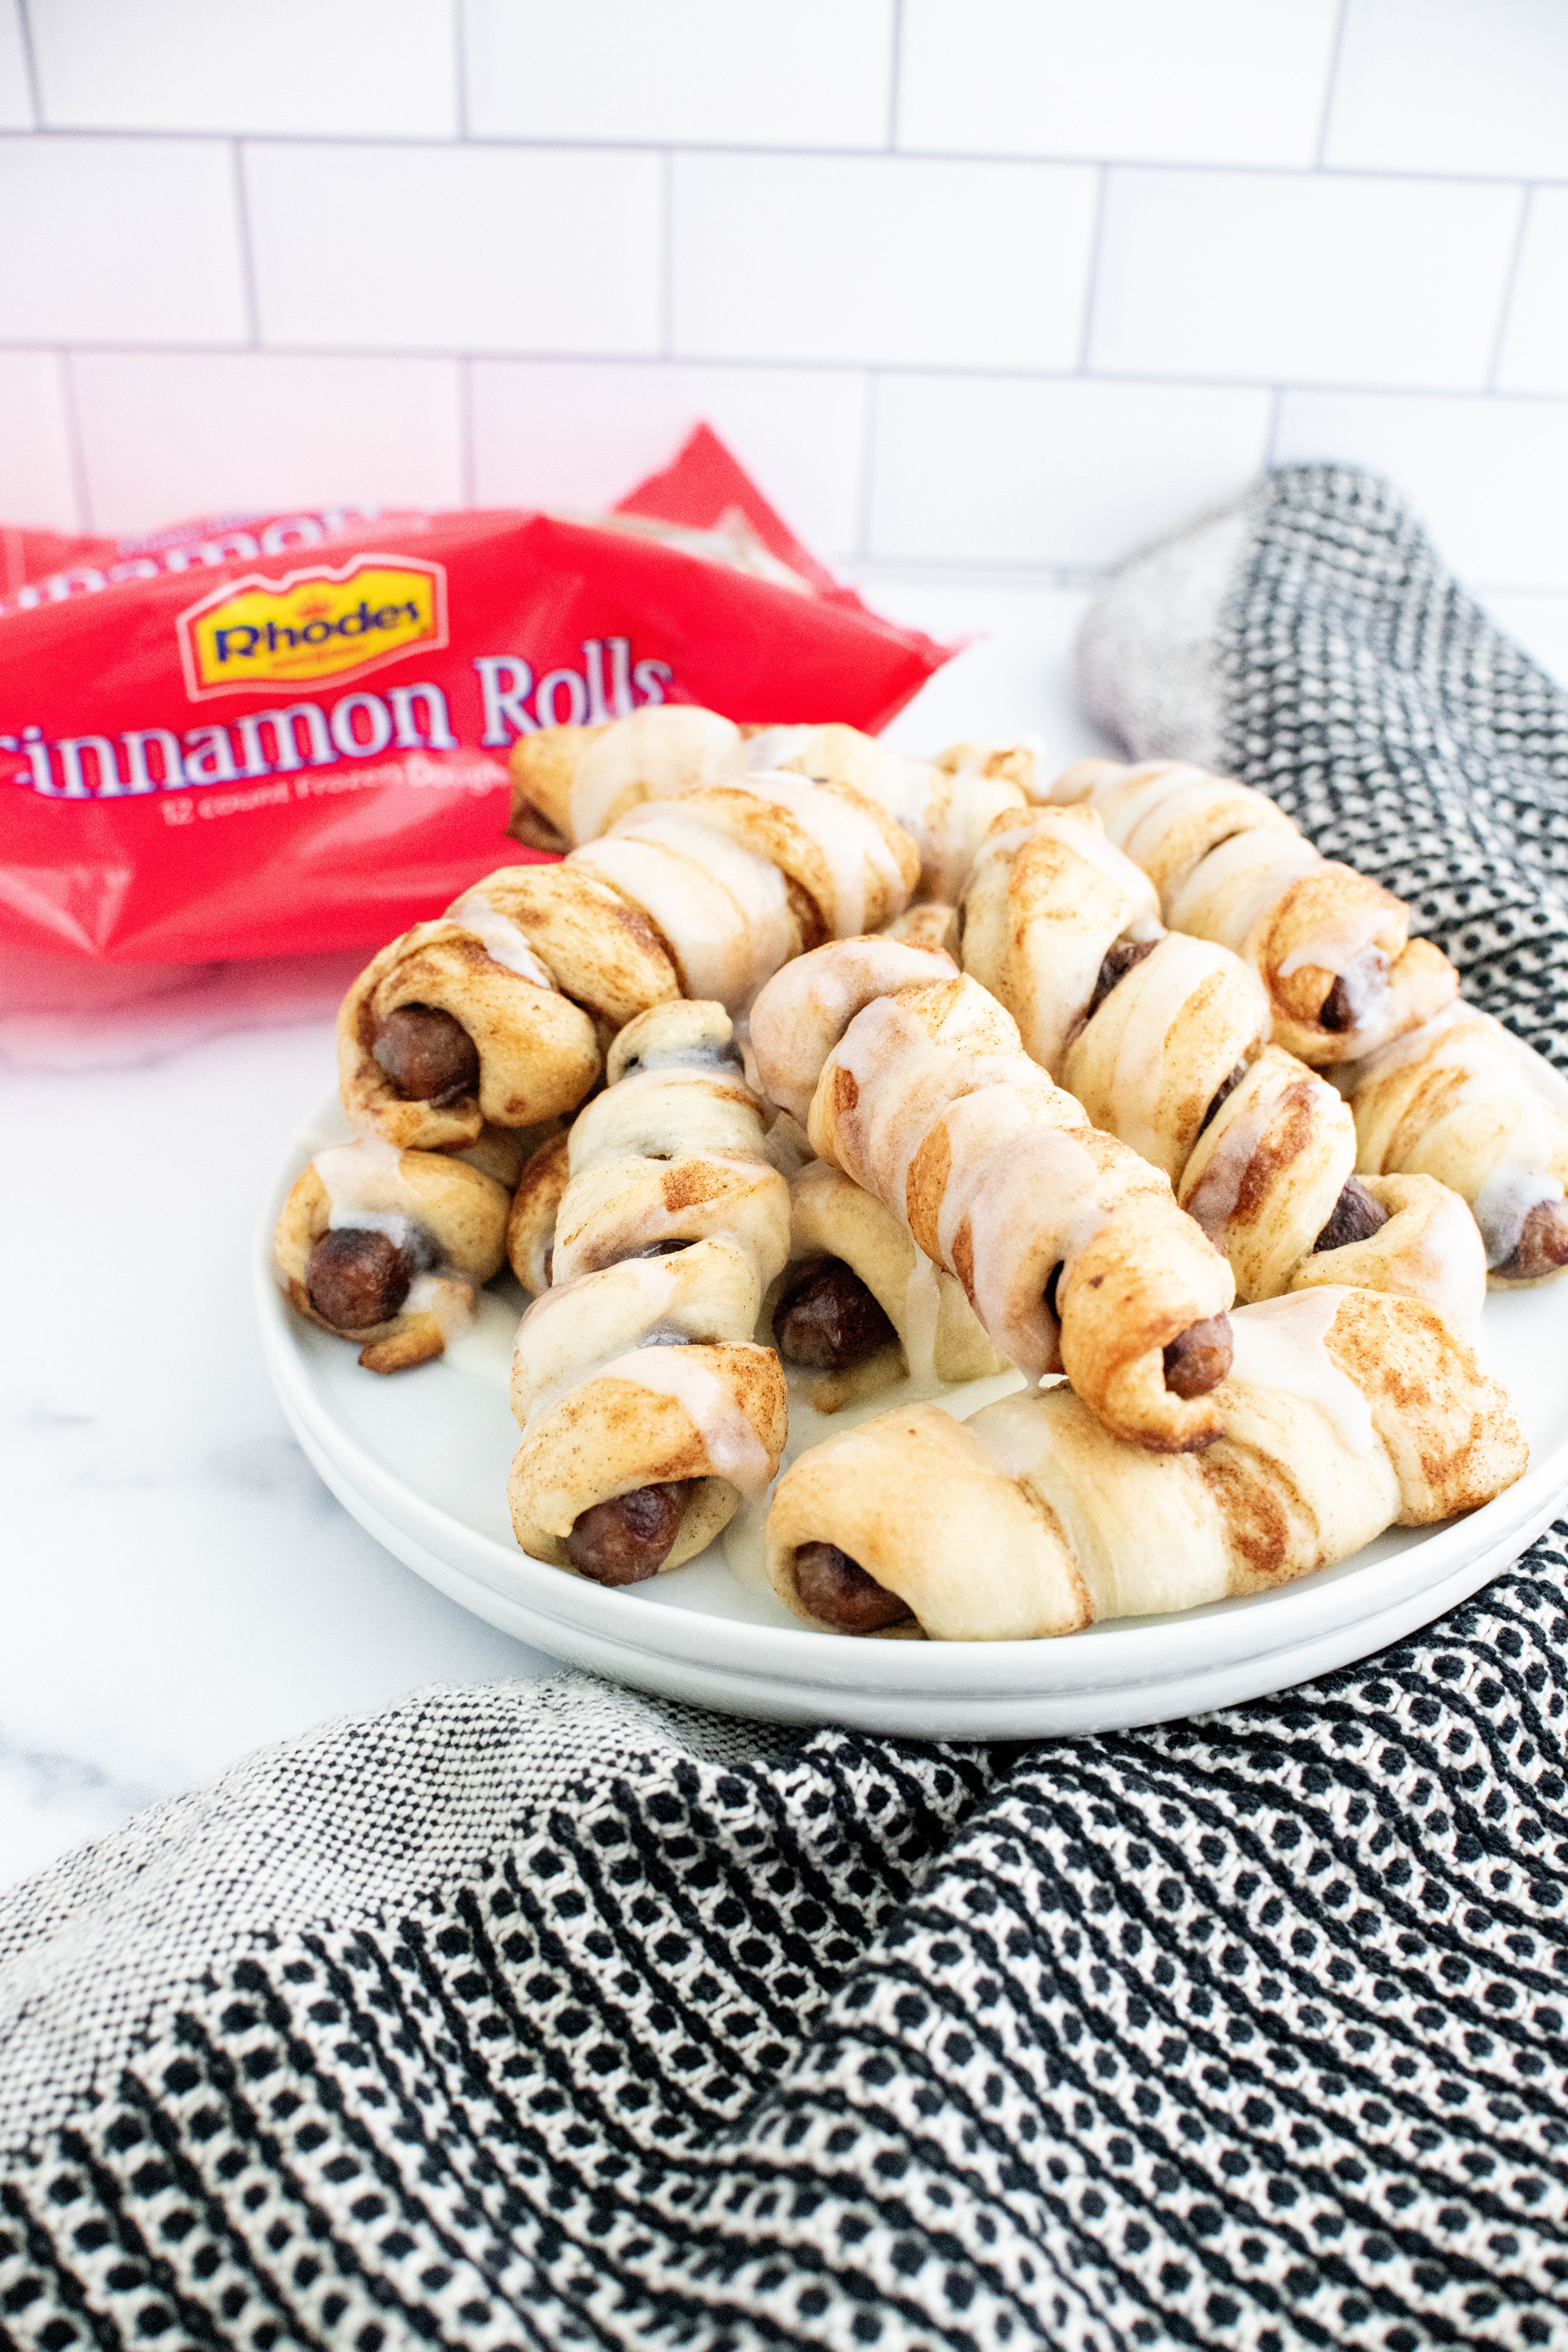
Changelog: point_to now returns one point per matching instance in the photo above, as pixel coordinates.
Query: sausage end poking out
(1119, 961)
(1356, 1217)
(1199, 1358)
(838, 1590)
(1542, 1244)
(829, 1321)
(628, 1538)
(1355, 993)
(356, 1277)
(428, 1054)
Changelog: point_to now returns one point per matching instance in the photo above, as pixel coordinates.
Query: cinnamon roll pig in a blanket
(647, 1411)
(573, 784)
(1069, 1248)
(389, 1248)
(500, 1012)
(1333, 949)
(1162, 1037)
(1346, 1412)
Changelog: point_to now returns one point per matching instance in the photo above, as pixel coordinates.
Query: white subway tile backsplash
(979, 265)
(477, 248)
(1311, 280)
(166, 436)
(814, 74)
(1072, 473)
(37, 481)
(16, 98)
(574, 435)
(1453, 86)
(381, 68)
(111, 240)
(1489, 477)
(1207, 81)
(1534, 354)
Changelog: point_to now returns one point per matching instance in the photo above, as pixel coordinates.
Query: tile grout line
(895, 68)
(1331, 84)
(246, 255)
(467, 454)
(349, 140)
(1510, 280)
(71, 410)
(1091, 280)
(460, 68)
(780, 364)
(867, 465)
(666, 254)
(30, 63)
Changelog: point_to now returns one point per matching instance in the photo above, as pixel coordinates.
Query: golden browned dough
(1347, 1412)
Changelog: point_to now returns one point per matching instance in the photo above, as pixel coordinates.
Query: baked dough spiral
(647, 1411)
(495, 1013)
(389, 1248)
(1332, 949)
(1454, 1100)
(1069, 1248)
(572, 785)
(1160, 1038)
(1346, 1412)
(738, 878)
(861, 1306)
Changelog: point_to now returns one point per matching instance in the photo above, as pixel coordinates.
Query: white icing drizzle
(1278, 1346)
(733, 1448)
(499, 937)
(772, 749)
(1161, 986)
(1124, 806)
(848, 841)
(922, 1310)
(1517, 1181)
(1212, 1201)
(1275, 860)
(445, 1297)
(365, 1184)
(1337, 949)
(724, 912)
(1504, 1202)
(1412, 1047)
(1089, 841)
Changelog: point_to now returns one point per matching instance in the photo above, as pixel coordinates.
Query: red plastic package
(260, 735)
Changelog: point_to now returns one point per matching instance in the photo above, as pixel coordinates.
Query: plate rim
(573, 1610)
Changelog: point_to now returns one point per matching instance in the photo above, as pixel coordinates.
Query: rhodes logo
(316, 624)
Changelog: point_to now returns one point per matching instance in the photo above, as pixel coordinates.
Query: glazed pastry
(647, 1411)
(1332, 949)
(1346, 1412)
(569, 784)
(531, 1221)
(572, 785)
(493, 1015)
(1161, 1038)
(930, 923)
(1069, 1248)
(1454, 1100)
(861, 1306)
(389, 1248)
(738, 878)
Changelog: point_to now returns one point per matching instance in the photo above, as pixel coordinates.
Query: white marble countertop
(178, 1585)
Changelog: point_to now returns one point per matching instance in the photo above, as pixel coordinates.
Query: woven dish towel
(547, 2017)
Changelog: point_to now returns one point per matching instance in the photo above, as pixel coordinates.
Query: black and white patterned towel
(556, 2017)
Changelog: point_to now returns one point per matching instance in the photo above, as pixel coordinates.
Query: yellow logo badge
(316, 623)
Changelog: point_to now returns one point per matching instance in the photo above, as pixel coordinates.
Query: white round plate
(421, 1458)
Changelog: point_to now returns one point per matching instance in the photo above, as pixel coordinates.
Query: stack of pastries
(808, 1053)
